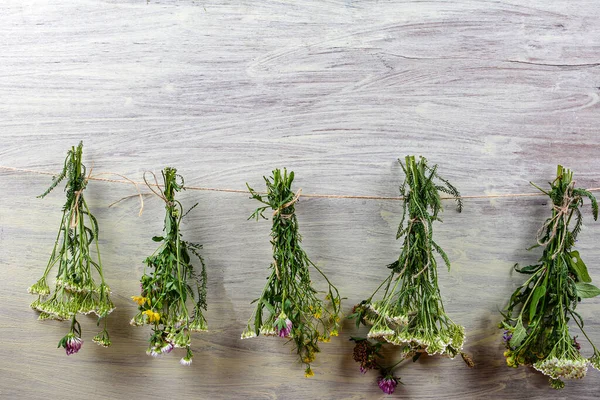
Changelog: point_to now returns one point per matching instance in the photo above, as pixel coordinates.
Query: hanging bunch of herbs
(76, 259)
(410, 313)
(289, 306)
(170, 283)
(535, 324)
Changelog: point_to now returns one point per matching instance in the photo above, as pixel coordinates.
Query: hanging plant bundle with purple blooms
(410, 314)
(288, 306)
(169, 282)
(535, 324)
(76, 290)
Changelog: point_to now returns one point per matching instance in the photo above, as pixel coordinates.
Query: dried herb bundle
(76, 290)
(411, 314)
(288, 306)
(170, 282)
(536, 319)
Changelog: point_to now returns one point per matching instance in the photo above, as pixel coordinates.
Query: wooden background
(495, 92)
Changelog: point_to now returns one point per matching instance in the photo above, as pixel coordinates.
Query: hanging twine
(322, 196)
(159, 194)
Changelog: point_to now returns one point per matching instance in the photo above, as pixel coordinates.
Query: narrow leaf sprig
(170, 283)
(76, 259)
(410, 314)
(536, 331)
(289, 306)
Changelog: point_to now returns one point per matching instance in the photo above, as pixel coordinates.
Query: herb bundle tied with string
(76, 290)
(169, 282)
(536, 331)
(410, 314)
(288, 306)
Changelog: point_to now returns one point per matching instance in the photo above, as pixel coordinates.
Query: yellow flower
(309, 372)
(317, 314)
(152, 316)
(310, 357)
(140, 300)
(334, 332)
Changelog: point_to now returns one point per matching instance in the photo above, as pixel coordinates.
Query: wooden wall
(497, 93)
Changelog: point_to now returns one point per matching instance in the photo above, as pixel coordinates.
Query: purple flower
(363, 370)
(507, 336)
(387, 384)
(73, 344)
(167, 348)
(285, 332)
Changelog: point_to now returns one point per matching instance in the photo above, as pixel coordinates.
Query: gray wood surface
(497, 93)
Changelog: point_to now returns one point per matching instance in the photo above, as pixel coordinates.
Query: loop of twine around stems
(75, 209)
(286, 205)
(562, 212)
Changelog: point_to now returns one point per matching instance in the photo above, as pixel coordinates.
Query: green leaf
(269, 307)
(538, 293)
(530, 269)
(586, 290)
(578, 267)
(158, 238)
(518, 334)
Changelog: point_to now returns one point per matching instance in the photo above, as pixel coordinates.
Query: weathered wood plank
(497, 93)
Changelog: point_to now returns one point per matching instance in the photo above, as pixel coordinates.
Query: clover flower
(387, 384)
(284, 327)
(71, 343)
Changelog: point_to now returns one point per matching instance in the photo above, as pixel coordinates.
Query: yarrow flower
(387, 384)
(76, 290)
(411, 313)
(102, 339)
(248, 334)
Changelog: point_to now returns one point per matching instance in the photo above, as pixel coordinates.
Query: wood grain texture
(495, 92)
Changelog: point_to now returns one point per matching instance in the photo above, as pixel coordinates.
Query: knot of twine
(562, 213)
(75, 209)
(157, 193)
(286, 205)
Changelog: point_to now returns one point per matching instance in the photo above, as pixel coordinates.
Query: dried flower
(78, 266)
(288, 306)
(71, 343)
(387, 384)
(538, 335)
(169, 281)
(411, 313)
(284, 326)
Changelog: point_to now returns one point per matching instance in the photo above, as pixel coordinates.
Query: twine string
(562, 213)
(286, 205)
(75, 209)
(314, 195)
